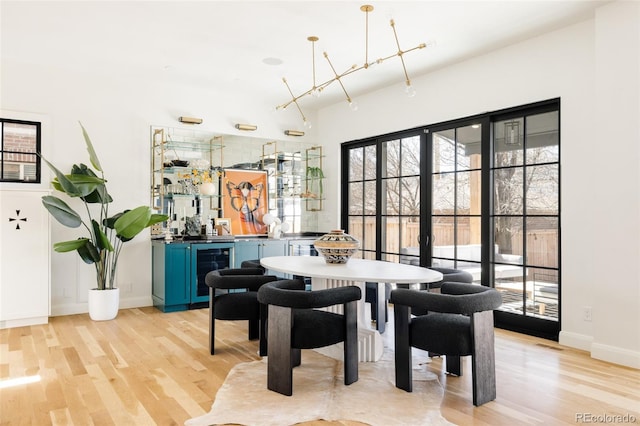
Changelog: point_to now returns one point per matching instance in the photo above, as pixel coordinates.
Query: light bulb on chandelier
(409, 90)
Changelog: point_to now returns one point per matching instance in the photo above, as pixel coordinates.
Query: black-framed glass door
(455, 208)
(488, 203)
(384, 192)
(525, 218)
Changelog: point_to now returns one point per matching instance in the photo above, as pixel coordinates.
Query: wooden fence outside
(542, 245)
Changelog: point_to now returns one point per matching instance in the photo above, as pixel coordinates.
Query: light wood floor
(147, 368)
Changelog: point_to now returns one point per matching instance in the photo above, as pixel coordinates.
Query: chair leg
(296, 357)
(381, 308)
(373, 306)
(483, 360)
(454, 365)
(280, 355)
(212, 321)
(254, 329)
(263, 330)
(351, 343)
(404, 377)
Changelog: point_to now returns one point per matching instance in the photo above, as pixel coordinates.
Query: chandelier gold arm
(317, 88)
(366, 9)
(313, 40)
(338, 77)
(400, 53)
(294, 100)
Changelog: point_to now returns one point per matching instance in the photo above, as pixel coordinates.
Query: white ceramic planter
(104, 304)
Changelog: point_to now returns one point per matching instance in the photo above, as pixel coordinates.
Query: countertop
(208, 239)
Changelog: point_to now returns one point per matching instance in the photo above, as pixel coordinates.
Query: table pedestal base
(370, 345)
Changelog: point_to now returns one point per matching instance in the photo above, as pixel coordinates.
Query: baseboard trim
(616, 355)
(607, 353)
(575, 340)
(82, 308)
(23, 322)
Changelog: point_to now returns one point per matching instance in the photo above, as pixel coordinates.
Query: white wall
(117, 113)
(616, 278)
(593, 68)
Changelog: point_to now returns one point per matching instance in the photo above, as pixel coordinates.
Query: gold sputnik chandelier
(316, 88)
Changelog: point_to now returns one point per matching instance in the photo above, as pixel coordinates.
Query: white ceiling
(213, 43)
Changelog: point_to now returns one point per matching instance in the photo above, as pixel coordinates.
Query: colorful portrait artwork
(245, 201)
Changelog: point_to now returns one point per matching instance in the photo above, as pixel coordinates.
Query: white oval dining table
(355, 272)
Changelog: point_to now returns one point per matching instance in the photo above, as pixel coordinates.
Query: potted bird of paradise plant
(104, 235)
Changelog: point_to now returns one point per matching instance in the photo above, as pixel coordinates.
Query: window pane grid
(525, 214)
(19, 145)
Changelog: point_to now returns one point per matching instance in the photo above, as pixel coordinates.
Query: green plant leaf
(89, 253)
(61, 211)
(85, 184)
(111, 221)
(82, 169)
(101, 238)
(99, 196)
(92, 153)
(64, 184)
(66, 246)
(132, 222)
(157, 218)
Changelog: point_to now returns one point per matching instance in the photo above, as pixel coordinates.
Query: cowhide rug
(319, 393)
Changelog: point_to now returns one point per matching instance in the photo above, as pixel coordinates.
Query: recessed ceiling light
(272, 61)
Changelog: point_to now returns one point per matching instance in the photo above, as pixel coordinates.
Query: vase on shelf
(337, 247)
(208, 188)
(193, 226)
(314, 182)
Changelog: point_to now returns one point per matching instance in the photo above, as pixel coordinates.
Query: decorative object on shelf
(177, 163)
(336, 246)
(202, 182)
(208, 188)
(316, 89)
(168, 230)
(223, 225)
(200, 163)
(193, 226)
(278, 227)
(314, 182)
(107, 234)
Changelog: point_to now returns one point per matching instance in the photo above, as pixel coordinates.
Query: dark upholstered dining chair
(459, 322)
(253, 263)
(295, 322)
(233, 295)
(371, 295)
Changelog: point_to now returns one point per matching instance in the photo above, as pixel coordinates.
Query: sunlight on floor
(9, 383)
